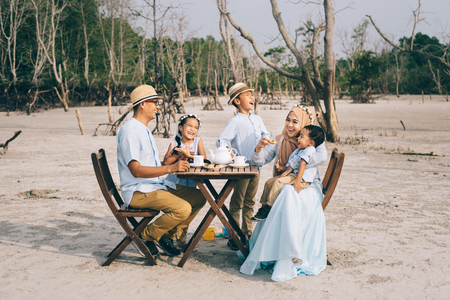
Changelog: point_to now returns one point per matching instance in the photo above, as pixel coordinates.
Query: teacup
(239, 160)
(198, 160)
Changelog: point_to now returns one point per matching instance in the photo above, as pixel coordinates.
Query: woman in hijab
(292, 240)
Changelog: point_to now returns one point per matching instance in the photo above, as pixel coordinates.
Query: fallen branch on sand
(111, 128)
(410, 152)
(5, 145)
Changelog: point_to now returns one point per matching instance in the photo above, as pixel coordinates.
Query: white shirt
(136, 142)
(243, 133)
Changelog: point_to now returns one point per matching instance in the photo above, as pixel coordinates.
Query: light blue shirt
(243, 133)
(270, 152)
(136, 142)
(303, 154)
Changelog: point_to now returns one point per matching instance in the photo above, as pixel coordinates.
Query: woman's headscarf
(289, 144)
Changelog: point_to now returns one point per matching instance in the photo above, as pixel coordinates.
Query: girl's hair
(316, 134)
(181, 122)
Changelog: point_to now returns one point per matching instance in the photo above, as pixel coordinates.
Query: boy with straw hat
(243, 133)
(140, 173)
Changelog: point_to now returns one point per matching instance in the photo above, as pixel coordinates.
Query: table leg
(212, 212)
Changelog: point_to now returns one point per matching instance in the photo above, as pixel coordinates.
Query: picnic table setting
(223, 167)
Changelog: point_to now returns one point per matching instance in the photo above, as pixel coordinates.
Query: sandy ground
(388, 222)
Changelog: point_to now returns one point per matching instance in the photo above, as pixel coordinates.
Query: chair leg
(127, 240)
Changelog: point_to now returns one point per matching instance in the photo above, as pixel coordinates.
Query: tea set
(221, 158)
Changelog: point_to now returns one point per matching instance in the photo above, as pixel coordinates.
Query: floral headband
(190, 116)
(311, 118)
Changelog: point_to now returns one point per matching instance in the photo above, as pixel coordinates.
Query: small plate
(196, 166)
(238, 166)
(213, 168)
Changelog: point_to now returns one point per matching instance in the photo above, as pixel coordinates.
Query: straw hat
(143, 93)
(236, 90)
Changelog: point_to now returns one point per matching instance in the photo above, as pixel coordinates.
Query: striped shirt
(243, 133)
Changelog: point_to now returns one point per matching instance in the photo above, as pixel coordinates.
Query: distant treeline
(55, 53)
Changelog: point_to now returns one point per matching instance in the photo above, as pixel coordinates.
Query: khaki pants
(273, 186)
(180, 206)
(243, 198)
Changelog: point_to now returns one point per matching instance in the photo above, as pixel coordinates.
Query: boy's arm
(288, 170)
(297, 181)
(227, 134)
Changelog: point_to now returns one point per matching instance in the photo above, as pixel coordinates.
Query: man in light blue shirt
(243, 133)
(140, 173)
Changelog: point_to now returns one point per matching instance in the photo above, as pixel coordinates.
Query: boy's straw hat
(236, 90)
(143, 93)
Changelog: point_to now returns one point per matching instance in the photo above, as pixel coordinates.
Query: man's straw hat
(236, 90)
(143, 93)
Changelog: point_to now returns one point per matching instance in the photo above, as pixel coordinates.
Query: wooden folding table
(202, 177)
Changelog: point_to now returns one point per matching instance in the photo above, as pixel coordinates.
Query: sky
(393, 17)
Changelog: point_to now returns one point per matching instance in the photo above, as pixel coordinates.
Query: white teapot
(223, 155)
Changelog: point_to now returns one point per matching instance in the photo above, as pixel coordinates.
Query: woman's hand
(279, 168)
(262, 143)
(297, 185)
(287, 171)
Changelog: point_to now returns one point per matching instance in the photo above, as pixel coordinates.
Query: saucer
(238, 166)
(213, 168)
(196, 166)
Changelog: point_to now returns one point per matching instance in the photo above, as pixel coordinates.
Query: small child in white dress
(297, 172)
(185, 146)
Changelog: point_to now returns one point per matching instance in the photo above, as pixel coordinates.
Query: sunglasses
(156, 102)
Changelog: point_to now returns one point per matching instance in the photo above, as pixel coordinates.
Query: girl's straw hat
(143, 93)
(236, 90)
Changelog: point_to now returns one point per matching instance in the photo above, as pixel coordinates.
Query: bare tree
(158, 14)
(327, 118)
(226, 36)
(354, 43)
(16, 17)
(409, 48)
(56, 9)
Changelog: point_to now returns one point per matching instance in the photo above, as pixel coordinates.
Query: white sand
(388, 222)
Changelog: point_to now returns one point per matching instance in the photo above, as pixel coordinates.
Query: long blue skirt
(294, 228)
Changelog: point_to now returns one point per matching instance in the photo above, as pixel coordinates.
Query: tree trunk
(331, 117)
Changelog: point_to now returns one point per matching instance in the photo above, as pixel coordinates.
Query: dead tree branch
(5, 145)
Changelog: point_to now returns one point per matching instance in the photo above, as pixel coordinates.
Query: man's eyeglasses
(156, 102)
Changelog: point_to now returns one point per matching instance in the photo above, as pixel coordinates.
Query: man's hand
(287, 171)
(180, 166)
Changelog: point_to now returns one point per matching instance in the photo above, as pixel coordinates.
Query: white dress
(294, 228)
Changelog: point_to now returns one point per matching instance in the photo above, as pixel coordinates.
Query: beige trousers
(273, 186)
(180, 206)
(243, 198)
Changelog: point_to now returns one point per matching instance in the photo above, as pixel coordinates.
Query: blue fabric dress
(294, 228)
(182, 181)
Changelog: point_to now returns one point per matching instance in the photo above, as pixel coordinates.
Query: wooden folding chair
(332, 175)
(123, 215)
(331, 178)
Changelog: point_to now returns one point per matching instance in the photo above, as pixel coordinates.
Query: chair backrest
(105, 180)
(332, 175)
